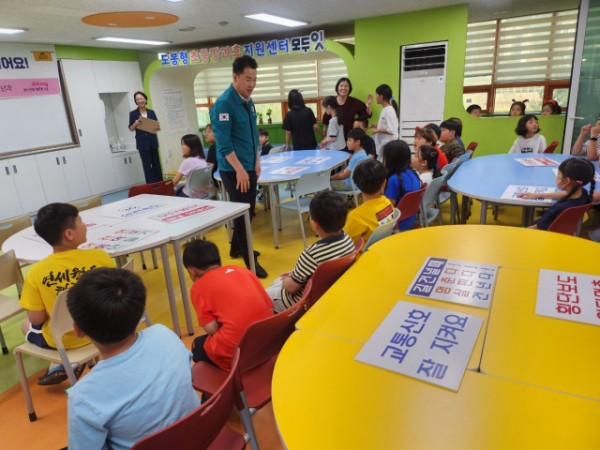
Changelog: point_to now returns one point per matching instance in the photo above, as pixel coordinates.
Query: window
(522, 58)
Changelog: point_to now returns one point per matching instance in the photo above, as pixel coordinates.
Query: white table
(113, 216)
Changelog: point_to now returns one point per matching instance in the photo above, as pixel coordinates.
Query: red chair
(204, 428)
(472, 146)
(259, 348)
(158, 188)
(410, 204)
(328, 272)
(551, 147)
(569, 221)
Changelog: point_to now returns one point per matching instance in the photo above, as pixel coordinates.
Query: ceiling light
(174, 1)
(132, 41)
(276, 19)
(12, 30)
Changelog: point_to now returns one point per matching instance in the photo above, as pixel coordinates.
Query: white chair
(384, 230)
(10, 274)
(355, 191)
(200, 185)
(278, 149)
(430, 205)
(129, 266)
(87, 203)
(60, 324)
(11, 226)
(307, 184)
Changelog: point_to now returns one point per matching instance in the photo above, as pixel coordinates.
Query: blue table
(289, 166)
(487, 177)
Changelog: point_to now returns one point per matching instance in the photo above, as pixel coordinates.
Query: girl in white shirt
(387, 127)
(335, 131)
(424, 162)
(529, 140)
(193, 158)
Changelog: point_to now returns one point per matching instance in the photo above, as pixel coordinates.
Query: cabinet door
(121, 169)
(136, 169)
(29, 184)
(104, 80)
(10, 206)
(74, 172)
(53, 179)
(88, 111)
(126, 76)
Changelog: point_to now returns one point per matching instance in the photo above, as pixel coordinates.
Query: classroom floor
(50, 430)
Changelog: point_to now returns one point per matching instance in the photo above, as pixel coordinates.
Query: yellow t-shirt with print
(368, 216)
(54, 274)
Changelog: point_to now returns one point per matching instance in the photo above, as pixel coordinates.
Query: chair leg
(25, 386)
(143, 260)
(154, 261)
(3, 343)
(302, 228)
(246, 418)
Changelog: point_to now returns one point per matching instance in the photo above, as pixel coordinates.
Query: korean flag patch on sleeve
(223, 117)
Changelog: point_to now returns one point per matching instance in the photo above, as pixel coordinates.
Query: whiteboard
(31, 117)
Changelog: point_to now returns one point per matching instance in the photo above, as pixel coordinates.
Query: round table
(531, 381)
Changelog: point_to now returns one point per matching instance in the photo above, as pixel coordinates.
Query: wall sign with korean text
(429, 344)
(463, 282)
(569, 296)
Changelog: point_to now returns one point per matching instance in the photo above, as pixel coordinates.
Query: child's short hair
(369, 176)
(363, 120)
(195, 145)
(358, 135)
(329, 210)
(452, 125)
(201, 254)
(107, 304)
(264, 133)
(520, 104)
(473, 107)
(521, 129)
(433, 127)
(53, 219)
(426, 133)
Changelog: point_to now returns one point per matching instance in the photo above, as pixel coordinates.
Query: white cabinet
(64, 173)
(24, 191)
(128, 169)
(117, 76)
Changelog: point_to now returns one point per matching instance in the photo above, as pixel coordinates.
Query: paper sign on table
(90, 224)
(290, 170)
(117, 239)
(430, 344)
(131, 210)
(314, 160)
(185, 212)
(536, 162)
(569, 296)
(454, 281)
(275, 159)
(513, 191)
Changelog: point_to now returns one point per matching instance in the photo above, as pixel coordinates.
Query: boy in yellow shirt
(370, 177)
(60, 225)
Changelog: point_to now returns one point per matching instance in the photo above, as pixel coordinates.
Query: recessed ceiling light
(187, 29)
(132, 41)
(276, 19)
(174, 1)
(12, 30)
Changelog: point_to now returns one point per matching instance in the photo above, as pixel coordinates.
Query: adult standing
(146, 142)
(351, 107)
(233, 119)
(300, 123)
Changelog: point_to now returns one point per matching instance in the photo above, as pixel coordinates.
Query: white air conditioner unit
(422, 86)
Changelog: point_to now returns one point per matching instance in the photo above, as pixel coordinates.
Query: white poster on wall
(177, 119)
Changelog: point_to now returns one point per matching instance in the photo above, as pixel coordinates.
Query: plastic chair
(11, 226)
(430, 205)
(278, 149)
(551, 147)
(60, 324)
(307, 184)
(569, 220)
(384, 230)
(10, 274)
(159, 188)
(204, 428)
(328, 272)
(199, 184)
(259, 347)
(87, 203)
(355, 191)
(410, 203)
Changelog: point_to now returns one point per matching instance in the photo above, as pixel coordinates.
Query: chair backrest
(158, 188)
(11, 226)
(198, 429)
(199, 183)
(278, 149)
(551, 147)
(311, 183)
(568, 221)
(328, 272)
(383, 230)
(472, 146)
(10, 271)
(464, 157)
(410, 203)
(263, 339)
(432, 191)
(61, 322)
(87, 203)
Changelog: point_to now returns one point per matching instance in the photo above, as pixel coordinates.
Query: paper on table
(512, 192)
(185, 212)
(536, 162)
(148, 125)
(117, 239)
(290, 170)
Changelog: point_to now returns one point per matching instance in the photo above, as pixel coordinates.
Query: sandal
(55, 377)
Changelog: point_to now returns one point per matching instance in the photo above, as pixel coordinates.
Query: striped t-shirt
(326, 249)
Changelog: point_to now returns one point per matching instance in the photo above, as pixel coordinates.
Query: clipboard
(148, 125)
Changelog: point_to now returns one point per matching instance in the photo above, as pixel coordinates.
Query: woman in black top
(300, 124)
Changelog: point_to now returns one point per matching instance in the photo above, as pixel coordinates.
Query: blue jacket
(144, 141)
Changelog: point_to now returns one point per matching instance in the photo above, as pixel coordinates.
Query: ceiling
(60, 21)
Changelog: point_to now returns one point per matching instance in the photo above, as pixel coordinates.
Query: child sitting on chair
(143, 382)
(328, 212)
(376, 209)
(193, 158)
(341, 181)
(60, 225)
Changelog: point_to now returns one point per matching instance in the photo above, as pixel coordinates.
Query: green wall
(95, 53)
(376, 60)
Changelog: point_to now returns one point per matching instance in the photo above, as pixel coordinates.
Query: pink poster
(29, 87)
